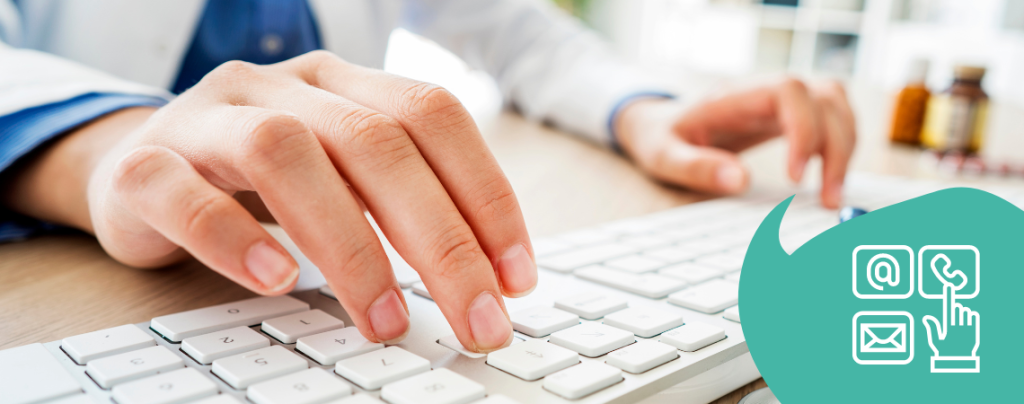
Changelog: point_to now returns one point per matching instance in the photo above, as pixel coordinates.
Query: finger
(840, 136)
(797, 115)
(450, 142)
(276, 155)
(948, 305)
(930, 323)
(167, 193)
(705, 169)
(414, 210)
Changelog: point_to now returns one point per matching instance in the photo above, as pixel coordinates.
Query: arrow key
(592, 339)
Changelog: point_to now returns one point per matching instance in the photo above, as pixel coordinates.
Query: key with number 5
(241, 371)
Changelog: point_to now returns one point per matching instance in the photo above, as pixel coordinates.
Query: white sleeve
(546, 63)
(31, 78)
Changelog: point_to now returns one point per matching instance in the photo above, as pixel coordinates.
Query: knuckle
(457, 252)
(319, 56)
(139, 167)
(269, 137)
(374, 137)
(230, 71)
(361, 260)
(498, 204)
(200, 211)
(425, 101)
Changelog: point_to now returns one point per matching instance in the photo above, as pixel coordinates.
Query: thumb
(706, 169)
(930, 321)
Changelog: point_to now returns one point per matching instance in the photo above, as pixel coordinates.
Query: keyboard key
(693, 336)
(30, 374)
(690, 272)
(133, 365)
(643, 322)
(583, 379)
(673, 254)
(176, 327)
(420, 289)
(581, 257)
(241, 371)
(290, 328)
(642, 356)
(724, 261)
(637, 264)
(587, 237)
(330, 347)
(75, 399)
(650, 285)
(709, 297)
(221, 344)
(438, 386)
(532, 359)
(590, 305)
(375, 369)
(733, 277)
(452, 342)
(310, 386)
(497, 399)
(540, 321)
(646, 242)
(592, 339)
(219, 399)
(732, 314)
(173, 387)
(357, 399)
(112, 341)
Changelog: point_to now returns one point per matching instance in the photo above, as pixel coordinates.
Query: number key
(306, 387)
(439, 386)
(375, 369)
(330, 347)
(248, 368)
(132, 365)
(207, 348)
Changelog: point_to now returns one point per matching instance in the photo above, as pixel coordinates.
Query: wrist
(52, 184)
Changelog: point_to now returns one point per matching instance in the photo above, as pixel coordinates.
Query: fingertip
(731, 178)
(388, 318)
(517, 271)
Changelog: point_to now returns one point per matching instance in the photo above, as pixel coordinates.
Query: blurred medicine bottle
(956, 117)
(911, 102)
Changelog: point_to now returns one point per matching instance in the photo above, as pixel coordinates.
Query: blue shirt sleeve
(26, 130)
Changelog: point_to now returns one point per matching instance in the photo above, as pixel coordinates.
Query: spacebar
(176, 327)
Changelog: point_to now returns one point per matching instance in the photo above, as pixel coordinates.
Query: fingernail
(517, 271)
(490, 328)
(388, 318)
(274, 269)
(729, 178)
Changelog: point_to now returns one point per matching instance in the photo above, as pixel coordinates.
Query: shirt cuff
(26, 130)
(613, 138)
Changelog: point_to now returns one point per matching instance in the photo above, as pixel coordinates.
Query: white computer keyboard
(621, 312)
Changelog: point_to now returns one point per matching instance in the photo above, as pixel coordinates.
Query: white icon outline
(920, 270)
(868, 329)
(908, 347)
(910, 273)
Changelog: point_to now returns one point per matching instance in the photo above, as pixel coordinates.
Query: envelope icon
(883, 337)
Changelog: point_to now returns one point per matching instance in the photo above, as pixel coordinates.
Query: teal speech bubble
(888, 307)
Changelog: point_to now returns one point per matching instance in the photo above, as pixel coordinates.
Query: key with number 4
(330, 347)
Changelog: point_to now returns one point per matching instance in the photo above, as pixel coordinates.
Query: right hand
(316, 137)
(959, 333)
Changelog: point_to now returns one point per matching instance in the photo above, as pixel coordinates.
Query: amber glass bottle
(911, 102)
(956, 118)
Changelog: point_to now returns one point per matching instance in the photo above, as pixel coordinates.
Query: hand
(315, 138)
(955, 341)
(696, 147)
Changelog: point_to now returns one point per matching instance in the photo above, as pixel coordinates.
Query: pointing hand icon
(955, 339)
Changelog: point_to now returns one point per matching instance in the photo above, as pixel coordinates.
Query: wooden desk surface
(58, 286)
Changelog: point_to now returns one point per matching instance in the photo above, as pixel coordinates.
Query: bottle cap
(968, 72)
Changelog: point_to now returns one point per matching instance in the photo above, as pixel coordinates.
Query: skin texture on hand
(696, 146)
(311, 142)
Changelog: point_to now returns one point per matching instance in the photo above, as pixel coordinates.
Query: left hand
(696, 146)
